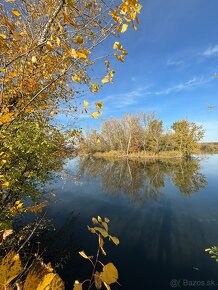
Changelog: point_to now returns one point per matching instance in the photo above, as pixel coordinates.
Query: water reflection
(142, 180)
(28, 186)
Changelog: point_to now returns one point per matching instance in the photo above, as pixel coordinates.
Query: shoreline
(121, 155)
(143, 156)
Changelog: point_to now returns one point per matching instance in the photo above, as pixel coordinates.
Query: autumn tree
(186, 136)
(134, 133)
(47, 45)
(155, 130)
(47, 58)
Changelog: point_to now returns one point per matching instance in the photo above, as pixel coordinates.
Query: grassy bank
(137, 155)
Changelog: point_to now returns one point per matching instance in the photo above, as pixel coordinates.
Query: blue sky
(170, 68)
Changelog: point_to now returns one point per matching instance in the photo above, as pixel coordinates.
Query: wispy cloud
(133, 97)
(211, 51)
(194, 82)
(126, 99)
(171, 62)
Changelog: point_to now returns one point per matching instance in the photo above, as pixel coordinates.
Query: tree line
(142, 133)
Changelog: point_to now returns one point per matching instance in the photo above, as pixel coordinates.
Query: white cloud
(136, 96)
(194, 82)
(126, 99)
(171, 62)
(211, 51)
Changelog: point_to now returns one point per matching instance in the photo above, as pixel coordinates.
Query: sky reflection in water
(165, 214)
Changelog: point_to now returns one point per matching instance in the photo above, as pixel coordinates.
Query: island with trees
(142, 135)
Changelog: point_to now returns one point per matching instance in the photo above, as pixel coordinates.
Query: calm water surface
(164, 213)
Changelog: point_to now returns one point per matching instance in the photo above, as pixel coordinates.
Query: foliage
(213, 251)
(186, 136)
(208, 147)
(107, 274)
(48, 54)
(45, 45)
(47, 58)
(41, 276)
(142, 133)
(28, 156)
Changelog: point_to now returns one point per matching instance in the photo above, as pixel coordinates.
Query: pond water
(165, 214)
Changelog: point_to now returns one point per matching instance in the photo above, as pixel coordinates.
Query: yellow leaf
(99, 105)
(124, 28)
(52, 113)
(94, 220)
(104, 224)
(56, 283)
(15, 13)
(98, 281)
(107, 63)
(115, 240)
(109, 274)
(79, 39)
(34, 59)
(102, 231)
(83, 254)
(4, 234)
(133, 15)
(76, 79)
(5, 185)
(85, 103)
(58, 41)
(106, 220)
(95, 115)
(49, 45)
(3, 36)
(116, 45)
(138, 7)
(77, 285)
(105, 80)
(46, 282)
(119, 57)
(81, 55)
(35, 275)
(41, 277)
(16, 36)
(74, 53)
(10, 268)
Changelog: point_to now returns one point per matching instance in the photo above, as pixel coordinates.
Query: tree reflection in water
(144, 179)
